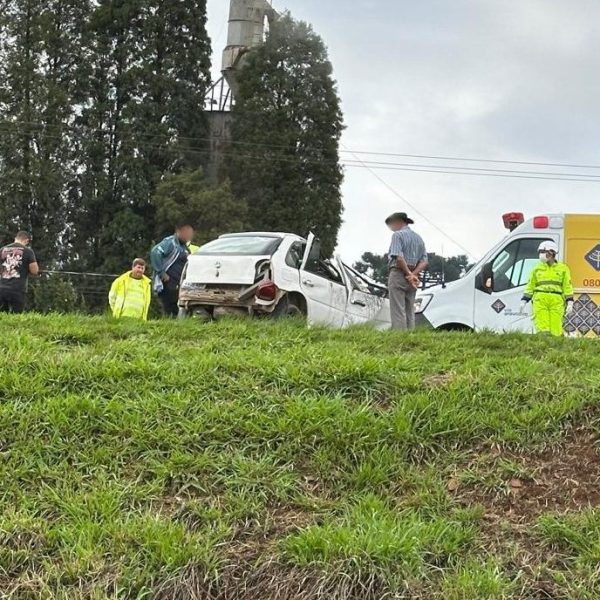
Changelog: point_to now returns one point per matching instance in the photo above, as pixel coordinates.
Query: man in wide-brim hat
(408, 259)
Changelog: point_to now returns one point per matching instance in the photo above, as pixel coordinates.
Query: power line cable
(471, 159)
(288, 147)
(409, 167)
(417, 211)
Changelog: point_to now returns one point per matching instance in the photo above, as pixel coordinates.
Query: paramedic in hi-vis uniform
(551, 289)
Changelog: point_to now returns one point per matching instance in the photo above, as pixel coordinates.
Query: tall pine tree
(40, 50)
(147, 78)
(285, 135)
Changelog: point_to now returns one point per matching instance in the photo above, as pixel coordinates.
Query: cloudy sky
(514, 80)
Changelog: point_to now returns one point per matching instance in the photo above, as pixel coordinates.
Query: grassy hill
(266, 461)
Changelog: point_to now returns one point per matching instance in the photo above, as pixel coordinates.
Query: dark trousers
(12, 301)
(169, 298)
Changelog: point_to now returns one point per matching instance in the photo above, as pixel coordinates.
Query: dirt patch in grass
(559, 479)
(441, 380)
(252, 545)
(515, 489)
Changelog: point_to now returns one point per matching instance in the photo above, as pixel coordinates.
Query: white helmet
(548, 246)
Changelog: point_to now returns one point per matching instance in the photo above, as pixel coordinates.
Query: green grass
(259, 460)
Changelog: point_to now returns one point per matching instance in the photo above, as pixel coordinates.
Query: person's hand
(570, 308)
(165, 278)
(523, 308)
(413, 280)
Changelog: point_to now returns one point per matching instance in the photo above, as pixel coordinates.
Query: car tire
(288, 308)
(199, 314)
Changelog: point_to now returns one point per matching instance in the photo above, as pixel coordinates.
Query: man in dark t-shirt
(17, 263)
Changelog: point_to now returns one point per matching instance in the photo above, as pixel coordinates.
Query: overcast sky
(496, 79)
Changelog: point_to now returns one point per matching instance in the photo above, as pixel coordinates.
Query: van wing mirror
(485, 280)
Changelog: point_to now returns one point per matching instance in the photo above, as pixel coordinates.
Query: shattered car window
(241, 246)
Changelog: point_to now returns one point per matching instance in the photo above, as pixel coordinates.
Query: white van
(488, 296)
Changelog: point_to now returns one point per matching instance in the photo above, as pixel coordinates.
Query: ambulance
(488, 296)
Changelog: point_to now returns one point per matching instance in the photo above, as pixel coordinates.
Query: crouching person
(130, 294)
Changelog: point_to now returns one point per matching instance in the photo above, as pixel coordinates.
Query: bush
(51, 293)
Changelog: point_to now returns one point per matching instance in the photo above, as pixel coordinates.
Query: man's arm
(401, 264)
(157, 255)
(423, 264)
(34, 269)
(568, 284)
(397, 250)
(112, 295)
(530, 287)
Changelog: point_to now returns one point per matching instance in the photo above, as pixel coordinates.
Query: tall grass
(241, 459)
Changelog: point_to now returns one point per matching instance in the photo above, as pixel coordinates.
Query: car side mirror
(485, 279)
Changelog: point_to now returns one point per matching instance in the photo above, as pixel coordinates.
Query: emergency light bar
(541, 223)
(513, 220)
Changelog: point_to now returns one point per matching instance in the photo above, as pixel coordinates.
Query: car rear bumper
(226, 298)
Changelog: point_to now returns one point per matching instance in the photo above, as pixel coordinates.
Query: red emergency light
(541, 222)
(513, 220)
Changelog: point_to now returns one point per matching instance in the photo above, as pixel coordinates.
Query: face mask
(543, 257)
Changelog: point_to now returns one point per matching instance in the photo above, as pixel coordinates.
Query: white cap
(548, 246)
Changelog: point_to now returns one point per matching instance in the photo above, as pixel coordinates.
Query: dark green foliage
(41, 47)
(54, 294)
(146, 86)
(190, 197)
(376, 266)
(98, 99)
(286, 132)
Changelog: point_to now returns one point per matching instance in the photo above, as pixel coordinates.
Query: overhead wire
(418, 212)
(379, 165)
(355, 152)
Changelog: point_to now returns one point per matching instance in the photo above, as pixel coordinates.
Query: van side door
(500, 285)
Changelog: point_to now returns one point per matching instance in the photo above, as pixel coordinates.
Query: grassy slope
(254, 460)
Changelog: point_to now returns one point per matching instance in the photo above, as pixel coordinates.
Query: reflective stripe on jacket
(117, 297)
(553, 279)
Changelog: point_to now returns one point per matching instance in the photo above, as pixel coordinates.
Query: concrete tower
(248, 22)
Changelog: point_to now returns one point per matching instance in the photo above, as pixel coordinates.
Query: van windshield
(241, 246)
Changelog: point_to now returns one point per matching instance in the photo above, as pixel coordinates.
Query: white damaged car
(278, 274)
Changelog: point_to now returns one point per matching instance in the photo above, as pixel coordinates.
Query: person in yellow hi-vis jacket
(551, 289)
(131, 293)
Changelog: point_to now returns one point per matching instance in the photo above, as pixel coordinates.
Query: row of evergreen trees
(103, 137)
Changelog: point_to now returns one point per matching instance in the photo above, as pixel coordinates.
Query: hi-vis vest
(117, 297)
(550, 279)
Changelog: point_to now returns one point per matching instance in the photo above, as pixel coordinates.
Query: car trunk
(226, 270)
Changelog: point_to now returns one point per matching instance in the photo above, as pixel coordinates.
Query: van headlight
(422, 302)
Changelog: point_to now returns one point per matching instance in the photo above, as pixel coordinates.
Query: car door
(323, 287)
(500, 286)
(363, 306)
